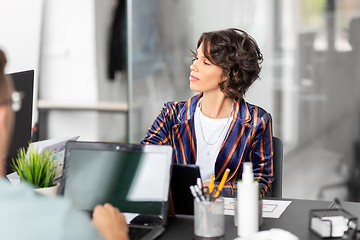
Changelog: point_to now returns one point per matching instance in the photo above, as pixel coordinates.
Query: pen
(335, 201)
(221, 185)
(198, 180)
(199, 193)
(328, 209)
(193, 192)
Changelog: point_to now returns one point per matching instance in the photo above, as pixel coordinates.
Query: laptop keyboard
(136, 233)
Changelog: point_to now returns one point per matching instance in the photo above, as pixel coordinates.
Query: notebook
(133, 177)
(182, 177)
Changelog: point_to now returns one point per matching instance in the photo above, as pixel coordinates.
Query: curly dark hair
(238, 54)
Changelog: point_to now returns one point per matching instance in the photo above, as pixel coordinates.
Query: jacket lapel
(184, 133)
(236, 144)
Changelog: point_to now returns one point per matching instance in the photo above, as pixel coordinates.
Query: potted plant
(39, 169)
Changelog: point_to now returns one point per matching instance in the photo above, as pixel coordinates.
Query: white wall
(68, 72)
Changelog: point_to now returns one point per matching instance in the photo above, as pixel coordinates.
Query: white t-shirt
(206, 154)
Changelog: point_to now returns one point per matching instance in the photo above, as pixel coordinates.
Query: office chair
(276, 185)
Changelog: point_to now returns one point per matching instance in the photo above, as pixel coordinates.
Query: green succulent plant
(37, 169)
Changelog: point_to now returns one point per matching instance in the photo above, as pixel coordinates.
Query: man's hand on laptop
(110, 222)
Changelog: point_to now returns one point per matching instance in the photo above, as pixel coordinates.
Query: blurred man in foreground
(26, 215)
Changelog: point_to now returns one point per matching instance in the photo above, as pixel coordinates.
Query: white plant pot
(49, 191)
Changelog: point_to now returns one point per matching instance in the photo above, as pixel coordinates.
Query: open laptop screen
(134, 178)
(24, 82)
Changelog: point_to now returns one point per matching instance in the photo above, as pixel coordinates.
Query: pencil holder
(209, 220)
(331, 223)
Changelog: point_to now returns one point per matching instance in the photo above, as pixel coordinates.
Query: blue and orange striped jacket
(249, 138)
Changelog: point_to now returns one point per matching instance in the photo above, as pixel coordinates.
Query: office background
(310, 80)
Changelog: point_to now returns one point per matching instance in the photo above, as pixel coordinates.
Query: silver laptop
(133, 177)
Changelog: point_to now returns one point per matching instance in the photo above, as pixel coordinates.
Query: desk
(294, 219)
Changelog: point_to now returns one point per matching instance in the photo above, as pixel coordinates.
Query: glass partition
(310, 79)
(159, 59)
(161, 34)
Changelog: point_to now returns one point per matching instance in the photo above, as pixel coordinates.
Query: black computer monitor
(24, 82)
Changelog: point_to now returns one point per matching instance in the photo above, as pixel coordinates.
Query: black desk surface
(294, 219)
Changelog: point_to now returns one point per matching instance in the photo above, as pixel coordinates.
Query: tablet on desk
(182, 177)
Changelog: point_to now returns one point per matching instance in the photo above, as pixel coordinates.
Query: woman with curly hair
(217, 129)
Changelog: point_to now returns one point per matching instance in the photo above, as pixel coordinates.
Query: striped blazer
(249, 138)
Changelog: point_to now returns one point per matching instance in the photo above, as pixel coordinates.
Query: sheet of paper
(271, 208)
(274, 208)
(57, 145)
(229, 207)
(130, 216)
(337, 228)
(14, 178)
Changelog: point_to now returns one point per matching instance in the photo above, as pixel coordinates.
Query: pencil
(211, 186)
(222, 183)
